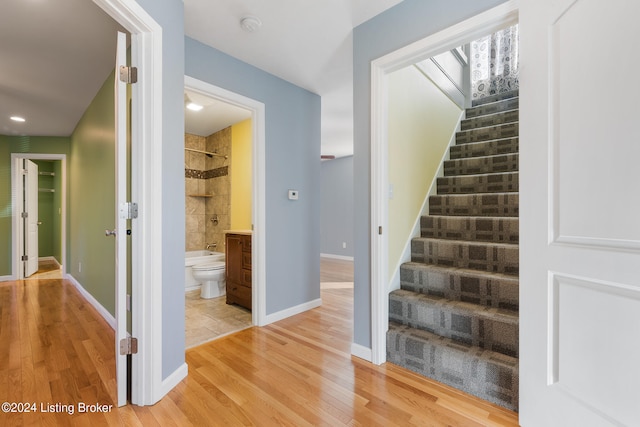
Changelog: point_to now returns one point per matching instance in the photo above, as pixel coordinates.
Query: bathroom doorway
(218, 147)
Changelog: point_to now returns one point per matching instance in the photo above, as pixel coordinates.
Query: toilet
(212, 278)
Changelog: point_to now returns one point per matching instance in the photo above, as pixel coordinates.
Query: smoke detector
(250, 24)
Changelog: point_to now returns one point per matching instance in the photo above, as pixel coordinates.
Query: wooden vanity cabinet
(238, 269)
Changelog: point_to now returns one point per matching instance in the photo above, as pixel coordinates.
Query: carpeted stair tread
(496, 98)
(499, 118)
(482, 256)
(492, 107)
(496, 290)
(484, 148)
(508, 130)
(470, 228)
(455, 317)
(490, 328)
(501, 182)
(481, 165)
(483, 373)
(488, 204)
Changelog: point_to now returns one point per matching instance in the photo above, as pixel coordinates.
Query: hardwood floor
(297, 372)
(335, 270)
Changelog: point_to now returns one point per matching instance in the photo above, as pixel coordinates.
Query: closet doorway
(50, 225)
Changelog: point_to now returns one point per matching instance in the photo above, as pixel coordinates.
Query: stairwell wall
(422, 120)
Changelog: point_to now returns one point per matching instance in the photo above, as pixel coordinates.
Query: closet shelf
(46, 190)
(200, 195)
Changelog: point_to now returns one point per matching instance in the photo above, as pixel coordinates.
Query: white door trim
(454, 36)
(16, 188)
(146, 162)
(258, 245)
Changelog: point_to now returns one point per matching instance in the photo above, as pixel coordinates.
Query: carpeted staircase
(455, 318)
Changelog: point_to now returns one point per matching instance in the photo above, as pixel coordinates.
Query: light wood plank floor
(335, 270)
(296, 372)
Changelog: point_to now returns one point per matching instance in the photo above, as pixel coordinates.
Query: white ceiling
(54, 61)
(214, 116)
(51, 63)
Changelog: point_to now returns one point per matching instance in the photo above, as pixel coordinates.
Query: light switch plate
(293, 194)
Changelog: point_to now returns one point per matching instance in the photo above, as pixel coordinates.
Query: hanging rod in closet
(207, 153)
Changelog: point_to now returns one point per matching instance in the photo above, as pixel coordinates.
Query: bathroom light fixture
(250, 24)
(194, 107)
(191, 105)
(17, 119)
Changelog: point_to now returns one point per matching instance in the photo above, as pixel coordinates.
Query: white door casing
(31, 221)
(579, 228)
(120, 90)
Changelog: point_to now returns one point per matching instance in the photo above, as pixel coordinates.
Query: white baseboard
(332, 256)
(94, 302)
(292, 311)
(362, 352)
(6, 278)
(171, 381)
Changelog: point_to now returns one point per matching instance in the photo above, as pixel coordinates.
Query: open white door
(579, 213)
(121, 220)
(30, 189)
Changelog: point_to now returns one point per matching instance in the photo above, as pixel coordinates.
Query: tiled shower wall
(207, 188)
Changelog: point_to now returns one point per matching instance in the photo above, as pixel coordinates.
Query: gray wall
(170, 15)
(336, 219)
(401, 25)
(292, 162)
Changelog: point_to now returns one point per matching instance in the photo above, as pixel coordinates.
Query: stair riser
(483, 257)
(461, 285)
(495, 98)
(493, 108)
(488, 328)
(472, 370)
(497, 230)
(487, 148)
(481, 165)
(509, 130)
(475, 205)
(487, 183)
(490, 120)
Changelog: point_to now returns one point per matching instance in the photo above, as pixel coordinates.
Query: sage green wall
(57, 211)
(5, 207)
(19, 144)
(92, 202)
(46, 217)
(422, 120)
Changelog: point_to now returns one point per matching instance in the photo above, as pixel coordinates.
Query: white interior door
(31, 221)
(121, 218)
(579, 213)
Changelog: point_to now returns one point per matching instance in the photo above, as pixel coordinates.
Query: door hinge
(380, 230)
(129, 210)
(128, 75)
(128, 345)
(24, 215)
(25, 258)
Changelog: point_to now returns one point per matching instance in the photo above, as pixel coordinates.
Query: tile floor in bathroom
(208, 319)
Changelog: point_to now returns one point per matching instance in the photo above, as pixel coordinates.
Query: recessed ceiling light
(17, 119)
(194, 107)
